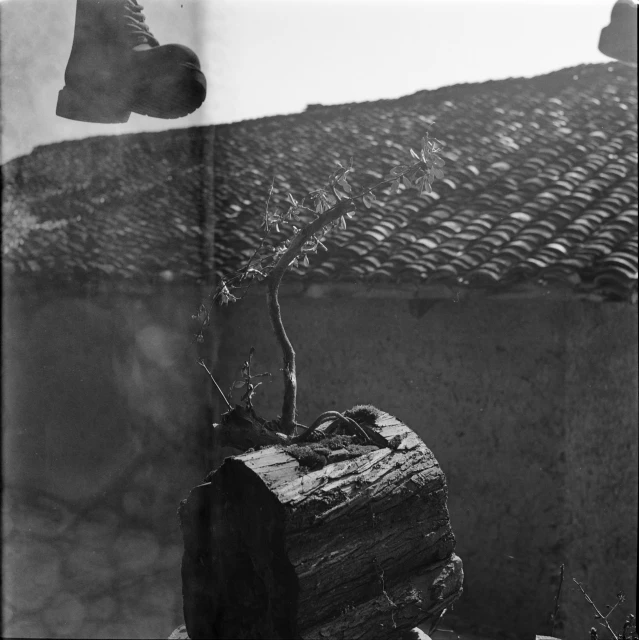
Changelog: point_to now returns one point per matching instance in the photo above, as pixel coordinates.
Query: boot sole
(101, 107)
(187, 93)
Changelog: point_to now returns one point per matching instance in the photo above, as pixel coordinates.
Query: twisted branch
(289, 405)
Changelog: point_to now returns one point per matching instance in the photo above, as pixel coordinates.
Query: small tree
(308, 222)
(386, 459)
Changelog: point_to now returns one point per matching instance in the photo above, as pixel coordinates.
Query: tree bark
(289, 403)
(360, 548)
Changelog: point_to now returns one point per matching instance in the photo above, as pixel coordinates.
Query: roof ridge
(540, 186)
(324, 109)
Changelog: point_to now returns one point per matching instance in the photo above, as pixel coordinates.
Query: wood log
(357, 548)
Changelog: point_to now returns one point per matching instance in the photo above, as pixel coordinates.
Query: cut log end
(233, 530)
(326, 543)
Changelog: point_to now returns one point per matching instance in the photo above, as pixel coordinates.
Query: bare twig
(217, 386)
(247, 381)
(598, 613)
(556, 610)
(619, 601)
(247, 398)
(262, 241)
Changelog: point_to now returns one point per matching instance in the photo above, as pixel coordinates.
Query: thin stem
(289, 404)
(262, 241)
(614, 606)
(556, 611)
(217, 386)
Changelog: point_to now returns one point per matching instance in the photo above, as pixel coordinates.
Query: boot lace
(138, 30)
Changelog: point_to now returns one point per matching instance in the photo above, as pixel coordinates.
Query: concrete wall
(601, 453)
(105, 419)
(530, 406)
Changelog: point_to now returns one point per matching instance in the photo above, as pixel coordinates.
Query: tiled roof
(126, 207)
(540, 187)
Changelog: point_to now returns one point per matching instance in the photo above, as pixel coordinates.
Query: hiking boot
(117, 67)
(619, 39)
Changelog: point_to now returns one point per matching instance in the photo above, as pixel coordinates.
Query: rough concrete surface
(529, 406)
(105, 416)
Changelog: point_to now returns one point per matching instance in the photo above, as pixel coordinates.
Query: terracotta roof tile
(540, 185)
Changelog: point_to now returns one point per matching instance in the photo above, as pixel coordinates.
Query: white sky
(265, 57)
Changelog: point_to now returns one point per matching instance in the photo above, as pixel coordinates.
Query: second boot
(619, 39)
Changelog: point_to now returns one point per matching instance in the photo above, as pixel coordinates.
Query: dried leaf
(398, 170)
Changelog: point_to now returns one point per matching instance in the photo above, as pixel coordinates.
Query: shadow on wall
(105, 418)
